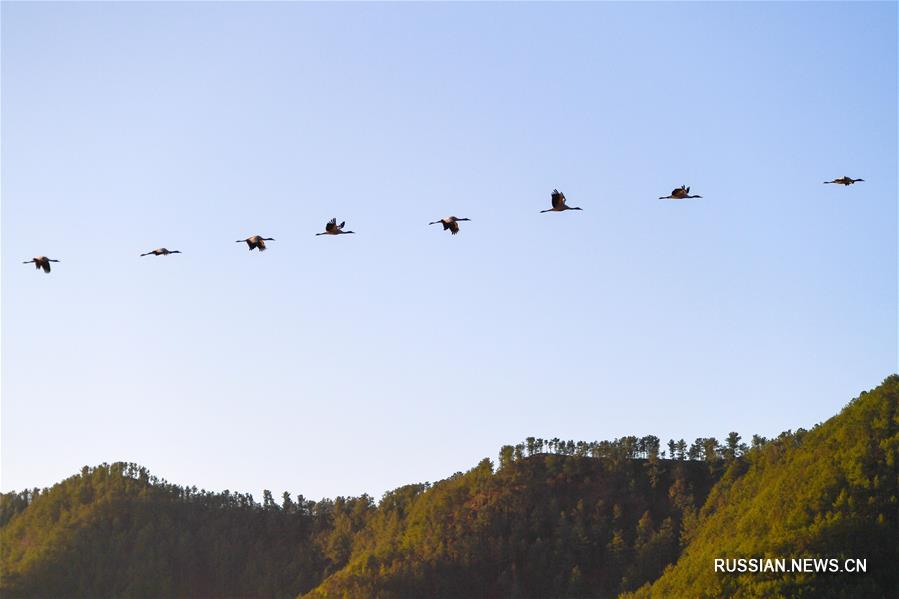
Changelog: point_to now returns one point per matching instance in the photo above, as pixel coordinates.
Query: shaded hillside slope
(542, 526)
(829, 492)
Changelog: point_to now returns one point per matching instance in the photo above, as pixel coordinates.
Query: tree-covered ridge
(828, 492)
(115, 530)
(555, 519)
(630, 447)
(542, 526)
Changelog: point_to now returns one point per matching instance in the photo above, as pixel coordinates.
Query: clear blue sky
(402, 354)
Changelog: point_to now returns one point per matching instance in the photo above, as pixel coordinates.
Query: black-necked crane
(681, 193)
(161, 252)
(255, 242)
(332, 228)
(558, 202)
(41, 262)
(450, 222)
(844, 181)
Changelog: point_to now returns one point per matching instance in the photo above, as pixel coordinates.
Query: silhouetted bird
(844, 181)
(255, 242)
(558, 202)
(450, 222)
(162, 252)
(41, 262)
(332, 228)
(681, 193)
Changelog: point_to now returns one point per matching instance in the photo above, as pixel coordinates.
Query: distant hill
(830, 492)
(555, 519)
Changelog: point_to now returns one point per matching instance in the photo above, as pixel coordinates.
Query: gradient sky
(337, 366)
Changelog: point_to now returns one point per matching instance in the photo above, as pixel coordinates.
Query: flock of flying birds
(450, 223)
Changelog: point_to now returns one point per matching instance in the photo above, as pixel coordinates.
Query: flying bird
(558, 201)
(162, 252)
(41, 262)
(844, 181)
(450, 222)
(332, 228)
(255, 242)
(681, 193)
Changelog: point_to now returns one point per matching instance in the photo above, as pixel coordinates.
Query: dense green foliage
(829, 492)
(544, 523)
(555, 519)
(117, 531)
(542, 526)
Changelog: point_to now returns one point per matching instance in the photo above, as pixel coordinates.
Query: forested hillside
(828, 492)
(555, 522)
(117, 531)
(552, 519)
(544, 526)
